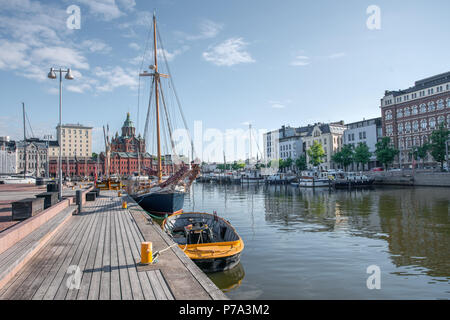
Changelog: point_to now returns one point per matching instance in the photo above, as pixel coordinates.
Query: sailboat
(164, 197)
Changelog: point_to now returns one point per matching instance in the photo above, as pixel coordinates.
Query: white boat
(352, 179)
(17, 179)
(252, 176)
(314, 179)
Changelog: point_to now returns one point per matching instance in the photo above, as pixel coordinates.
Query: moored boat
(352, 179)
(209, 240)
(314, 179)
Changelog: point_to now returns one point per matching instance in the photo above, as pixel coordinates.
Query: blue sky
(261, 61)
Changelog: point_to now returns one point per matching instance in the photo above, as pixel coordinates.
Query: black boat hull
(161, 203)
(218, 264)
(352, 184)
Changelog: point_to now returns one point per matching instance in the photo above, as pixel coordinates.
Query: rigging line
(140, 69)
(148, 110)
(168, 122)
(31, 129)
(175, 91)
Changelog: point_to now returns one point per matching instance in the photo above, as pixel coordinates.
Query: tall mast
(157, 101)
(24, 141)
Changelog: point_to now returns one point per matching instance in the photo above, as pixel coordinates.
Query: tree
(385, 152)
(288, 163)
(281, 164)
(94, 155)
(362, 154)
(316, 154)
(420, 152)
(438, 140)
(300, 163)
(344, 157)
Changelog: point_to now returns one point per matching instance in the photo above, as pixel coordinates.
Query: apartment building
(75, 140)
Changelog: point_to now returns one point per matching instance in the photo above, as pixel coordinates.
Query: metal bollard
(79, 195)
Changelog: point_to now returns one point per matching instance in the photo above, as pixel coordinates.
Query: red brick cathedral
(128, 142)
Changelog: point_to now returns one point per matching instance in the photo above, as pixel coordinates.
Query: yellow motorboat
(209, 240)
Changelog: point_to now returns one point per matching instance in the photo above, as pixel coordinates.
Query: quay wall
(432, 179)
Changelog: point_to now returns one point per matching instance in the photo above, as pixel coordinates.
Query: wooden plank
(94, 288)
(105, 283)
(134, 279)
(88, 270)
(125, 284)
(77, 246)
(51, 270)
(135, 241)
(156, 285)
(27, 271)
(63, 289)
(89, 210)
(164, 285)
(116, 292)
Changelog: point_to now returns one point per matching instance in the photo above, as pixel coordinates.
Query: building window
(415, 110)
(431, 106)
(400, 128)
(407, 112)
(423, 108)
(416, 126)
(399, 113)
(408, 127)
(432, 123)
(441, 120)
(448, 102)
(423, 124)
(388, 115)
(440, 104)
(389, 130)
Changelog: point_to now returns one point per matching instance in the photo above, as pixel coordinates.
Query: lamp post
(68, 76)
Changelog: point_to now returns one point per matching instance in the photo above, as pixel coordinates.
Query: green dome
(128, 122)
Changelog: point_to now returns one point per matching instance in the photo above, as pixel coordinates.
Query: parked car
(377, 169)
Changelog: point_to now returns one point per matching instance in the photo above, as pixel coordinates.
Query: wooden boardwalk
(95, 255)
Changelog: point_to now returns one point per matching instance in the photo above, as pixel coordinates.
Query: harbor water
(319, 244)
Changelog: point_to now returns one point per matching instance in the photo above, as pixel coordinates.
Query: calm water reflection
(306, 244)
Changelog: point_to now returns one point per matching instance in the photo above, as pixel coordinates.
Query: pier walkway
(96, 254)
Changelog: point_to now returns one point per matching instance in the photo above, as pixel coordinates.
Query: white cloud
(208, 29)
(60, 56)
(161, 54)
(115, 77)
(13, 55)
(96, 45)
(228, 53)
(135, 46)
(106, 9)
(300, 61)
(337, 55)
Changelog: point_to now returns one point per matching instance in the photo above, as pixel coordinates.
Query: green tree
(94, 155)
(300, 163)
(288, 163)
(420, 152)
(438, 140)
(316, 154)
(344, 157)
(362, 154)
(281, 164)
(385, 152)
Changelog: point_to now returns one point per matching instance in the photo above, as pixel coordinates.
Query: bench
(90, 196)
(17, 255)
(50, 198)
(26, 208)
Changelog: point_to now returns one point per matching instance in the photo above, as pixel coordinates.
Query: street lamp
(68, 76)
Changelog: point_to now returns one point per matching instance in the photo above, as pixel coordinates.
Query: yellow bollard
(146, 253)
(124, 205)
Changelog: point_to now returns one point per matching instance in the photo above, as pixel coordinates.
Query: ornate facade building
(409, 116)
(128, 142)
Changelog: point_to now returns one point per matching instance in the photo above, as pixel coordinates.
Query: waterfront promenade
(95, 254)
